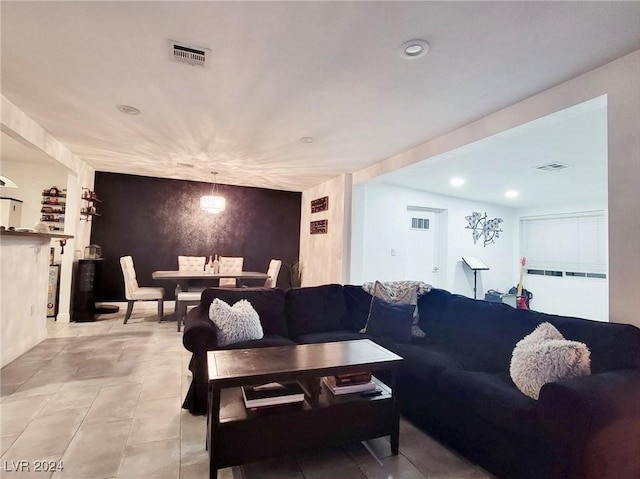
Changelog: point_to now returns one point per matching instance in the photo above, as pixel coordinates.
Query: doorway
(424, 244)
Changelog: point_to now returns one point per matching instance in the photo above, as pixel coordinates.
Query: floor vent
(189, 54)
(552, 167)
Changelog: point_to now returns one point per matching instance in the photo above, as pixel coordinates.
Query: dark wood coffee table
(236, 435)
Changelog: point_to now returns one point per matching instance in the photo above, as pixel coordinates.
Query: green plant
(297, 268)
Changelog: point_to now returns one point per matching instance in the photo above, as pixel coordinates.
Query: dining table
(184, 279)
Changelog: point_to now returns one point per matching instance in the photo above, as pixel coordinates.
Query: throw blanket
(404, 292)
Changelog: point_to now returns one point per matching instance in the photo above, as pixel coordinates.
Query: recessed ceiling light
(128, 110)
(414, 49)
(307, 139)
(457, 181)
(511, 194)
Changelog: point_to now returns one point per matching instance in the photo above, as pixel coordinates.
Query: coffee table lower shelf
(244, 436)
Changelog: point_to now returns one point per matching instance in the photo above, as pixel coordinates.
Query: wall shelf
(89, 211)
(54, 202)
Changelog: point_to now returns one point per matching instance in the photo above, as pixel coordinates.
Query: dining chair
(230, 264)
(184, 299)
(192, 263)
(273, 272)
(133, 292)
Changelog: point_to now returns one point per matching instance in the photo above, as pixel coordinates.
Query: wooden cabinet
(89, 210)
(54, 202)
(85, 289)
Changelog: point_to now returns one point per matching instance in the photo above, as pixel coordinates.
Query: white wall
(619, 81)
(325, 257)
(383, 215)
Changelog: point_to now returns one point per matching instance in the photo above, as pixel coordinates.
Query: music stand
(475, 265)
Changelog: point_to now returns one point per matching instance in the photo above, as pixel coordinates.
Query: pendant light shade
(214, 203)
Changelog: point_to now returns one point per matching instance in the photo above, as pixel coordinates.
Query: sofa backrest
(358, 306)
(489, 331)
(316, 309)
(268, 303)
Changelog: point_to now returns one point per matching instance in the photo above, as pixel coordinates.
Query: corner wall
(325, 257)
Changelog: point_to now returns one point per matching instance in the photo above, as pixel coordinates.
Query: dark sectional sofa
(455, 382)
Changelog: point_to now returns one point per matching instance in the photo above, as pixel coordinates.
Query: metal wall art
(320, 204)
(319, 227)
(481, 226)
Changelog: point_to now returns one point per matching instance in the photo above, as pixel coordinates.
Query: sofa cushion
(613, 346)
(424, 362)
(481, 329)
(268, 303)
(489, 331)
(544, 356)
(236, 323)
(492, 396)
(265, 342)
(330, 336)
(316, 309)
(393, 321)
(358, 304)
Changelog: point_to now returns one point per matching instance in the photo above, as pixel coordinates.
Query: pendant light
(214, 203)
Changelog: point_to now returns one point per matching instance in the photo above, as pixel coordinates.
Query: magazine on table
(272, 394)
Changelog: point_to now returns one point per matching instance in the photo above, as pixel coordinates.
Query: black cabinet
(86, 289)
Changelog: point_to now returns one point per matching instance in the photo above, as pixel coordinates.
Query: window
(573, 244)
(420, 223)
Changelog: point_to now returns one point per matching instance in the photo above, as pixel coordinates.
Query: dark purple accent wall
(155, 219)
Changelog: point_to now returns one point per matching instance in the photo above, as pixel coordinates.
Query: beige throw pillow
(544, 356)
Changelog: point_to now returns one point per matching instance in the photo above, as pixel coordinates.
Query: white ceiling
(280, 71)
(509, 161)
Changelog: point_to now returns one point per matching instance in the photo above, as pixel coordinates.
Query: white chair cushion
(147, 293)
(129, 273)
(189, 296)
(273, 272)
(191, 263)
(230, 264)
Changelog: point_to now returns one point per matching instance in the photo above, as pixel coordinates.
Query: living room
(334, 257)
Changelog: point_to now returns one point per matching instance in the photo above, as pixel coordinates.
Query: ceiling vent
(186, 165)
(189, 54)
(552, 167)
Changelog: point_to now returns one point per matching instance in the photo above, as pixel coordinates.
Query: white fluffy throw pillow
(545, 356)
(236, 323)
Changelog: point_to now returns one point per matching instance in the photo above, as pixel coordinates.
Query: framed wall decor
(319, 227)
(320, 204)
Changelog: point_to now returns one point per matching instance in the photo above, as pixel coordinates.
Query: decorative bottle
(210, 266)
(216, 265)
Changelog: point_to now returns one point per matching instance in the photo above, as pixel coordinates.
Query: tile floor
(103, 399)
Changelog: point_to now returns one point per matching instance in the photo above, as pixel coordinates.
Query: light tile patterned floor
(104, 399)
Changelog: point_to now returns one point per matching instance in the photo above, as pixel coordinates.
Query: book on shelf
(330, 383)
(272, 394)
(352, 378)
